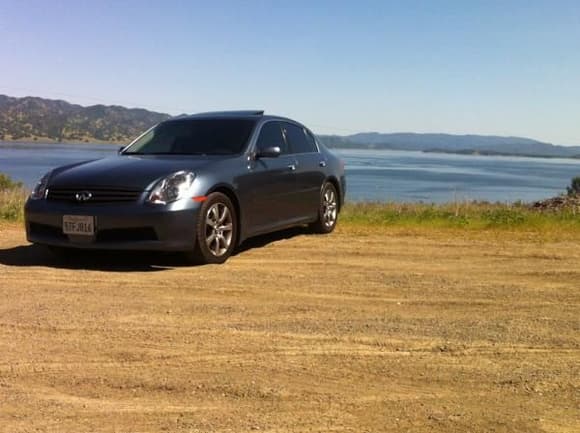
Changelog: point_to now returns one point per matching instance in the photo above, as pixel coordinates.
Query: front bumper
(131, 226)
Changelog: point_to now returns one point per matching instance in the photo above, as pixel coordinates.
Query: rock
(560, 203)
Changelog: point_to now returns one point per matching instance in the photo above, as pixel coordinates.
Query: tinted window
(195, 137)
(297, 139)
(271, 135)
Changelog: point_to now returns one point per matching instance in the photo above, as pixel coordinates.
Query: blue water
(371, 174)
(430, 177)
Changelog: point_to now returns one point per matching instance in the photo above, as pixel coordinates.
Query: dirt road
(361, 332)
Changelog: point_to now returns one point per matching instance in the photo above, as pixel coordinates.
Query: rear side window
(298, 140)
(271, 136)
(311, 141)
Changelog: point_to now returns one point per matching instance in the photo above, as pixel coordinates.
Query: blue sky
(489, 67)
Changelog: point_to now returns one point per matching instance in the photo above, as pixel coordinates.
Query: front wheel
(327, 210)
(216, 230)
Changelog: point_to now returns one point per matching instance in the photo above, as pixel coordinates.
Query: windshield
(194, 137)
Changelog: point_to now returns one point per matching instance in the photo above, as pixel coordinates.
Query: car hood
(137, 172)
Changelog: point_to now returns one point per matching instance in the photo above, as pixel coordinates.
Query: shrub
(12, 198)
(574, 188)
(12, 204)
(7, 184)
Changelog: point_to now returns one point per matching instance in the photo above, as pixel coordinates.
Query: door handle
(292, 167)
(322, 163)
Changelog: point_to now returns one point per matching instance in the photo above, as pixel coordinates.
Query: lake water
(371, 174)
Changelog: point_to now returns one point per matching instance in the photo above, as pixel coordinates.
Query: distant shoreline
(43, 140)
(489, 153)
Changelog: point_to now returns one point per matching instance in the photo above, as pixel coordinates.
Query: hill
(449, 143)
(46, 120)
(38, 119)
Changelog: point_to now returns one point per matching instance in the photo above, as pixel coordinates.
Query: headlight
(41, 188)
(173, 187)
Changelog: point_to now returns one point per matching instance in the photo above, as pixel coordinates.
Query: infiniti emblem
(83, 196)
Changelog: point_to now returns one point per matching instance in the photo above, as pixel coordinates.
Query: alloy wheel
(329, 207)
(218, 229)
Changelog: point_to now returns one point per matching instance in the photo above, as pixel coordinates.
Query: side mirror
(269, 152)
(121, 149)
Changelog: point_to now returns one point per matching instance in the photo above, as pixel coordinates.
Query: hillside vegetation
(38, 119)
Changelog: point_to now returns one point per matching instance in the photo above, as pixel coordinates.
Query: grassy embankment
(462, 215)
(459, 215)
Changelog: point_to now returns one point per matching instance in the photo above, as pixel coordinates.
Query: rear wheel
(327, 210)
(216, 230)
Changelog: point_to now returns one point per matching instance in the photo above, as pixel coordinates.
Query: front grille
(98, 195)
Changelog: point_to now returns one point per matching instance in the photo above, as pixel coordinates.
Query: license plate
(78, 225)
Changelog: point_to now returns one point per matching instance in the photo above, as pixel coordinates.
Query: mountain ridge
(452, 143)
(38, 119)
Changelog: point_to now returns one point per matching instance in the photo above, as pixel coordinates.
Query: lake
(379, 175)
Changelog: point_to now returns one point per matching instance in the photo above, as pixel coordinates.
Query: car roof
(237, 114)
(233, 113)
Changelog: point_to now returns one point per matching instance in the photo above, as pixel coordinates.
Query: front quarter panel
(335, 170)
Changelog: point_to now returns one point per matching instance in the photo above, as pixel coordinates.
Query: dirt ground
(356, 331)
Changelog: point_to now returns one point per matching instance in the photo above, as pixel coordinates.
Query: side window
(271, 135)
(297, 140)
(311, 141)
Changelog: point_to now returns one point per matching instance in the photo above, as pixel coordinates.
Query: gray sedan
(200, 184)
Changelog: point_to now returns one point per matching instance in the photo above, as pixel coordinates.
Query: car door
(271, 182)
(309, 169)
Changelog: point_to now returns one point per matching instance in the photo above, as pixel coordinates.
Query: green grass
(461, 215)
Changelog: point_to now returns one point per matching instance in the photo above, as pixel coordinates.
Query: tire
(216, 231)
(327, 210)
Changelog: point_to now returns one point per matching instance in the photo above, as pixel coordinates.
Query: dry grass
(12, 204)
(12, 198)
(365, 330)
